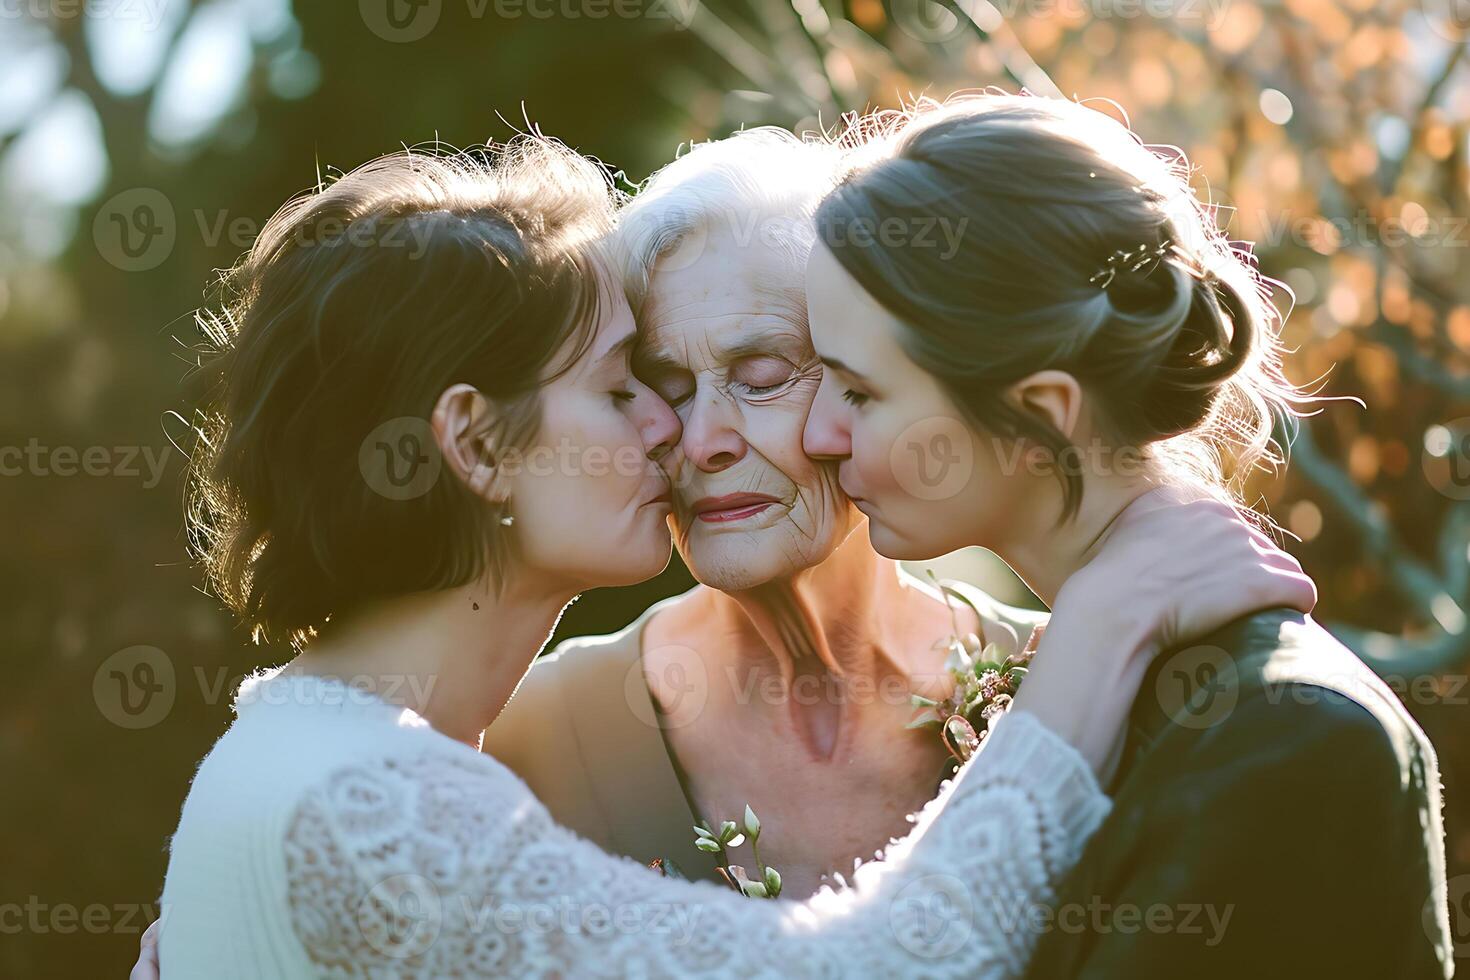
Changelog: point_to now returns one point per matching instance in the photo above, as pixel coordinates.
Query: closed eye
(757, 391)
(767, 376)
(854, 398)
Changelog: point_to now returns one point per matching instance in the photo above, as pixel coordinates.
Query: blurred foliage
(1334, 135)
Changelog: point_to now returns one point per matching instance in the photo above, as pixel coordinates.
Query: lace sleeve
(441, 864)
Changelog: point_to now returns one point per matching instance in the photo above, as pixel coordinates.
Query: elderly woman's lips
(734, 507)
(738, 514)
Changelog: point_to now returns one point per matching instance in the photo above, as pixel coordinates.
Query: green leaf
(773, 882)
(704, 832)
(753, 889)
(752, 823)
(955, 593)
(727, 830)
(919, 701)
(707, 845)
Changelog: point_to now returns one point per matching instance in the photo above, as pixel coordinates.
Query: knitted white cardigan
(329, 833)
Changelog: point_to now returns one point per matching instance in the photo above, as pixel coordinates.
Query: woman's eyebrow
(837, 365)
(649, 355)
(617, 351)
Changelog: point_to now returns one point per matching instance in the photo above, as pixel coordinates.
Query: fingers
(147, 966)
(1192, 567)
(1285, 582)
(1266, 576)
(1286, 586)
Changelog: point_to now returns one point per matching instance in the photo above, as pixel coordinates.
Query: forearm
(1084, 679)
(1010, 826)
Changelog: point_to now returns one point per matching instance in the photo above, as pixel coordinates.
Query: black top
(1276, 814)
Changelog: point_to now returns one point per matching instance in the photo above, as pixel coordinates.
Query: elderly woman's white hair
(763, 185)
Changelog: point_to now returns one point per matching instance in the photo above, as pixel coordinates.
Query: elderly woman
(784, 680)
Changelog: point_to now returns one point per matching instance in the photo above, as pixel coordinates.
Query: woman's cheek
(871, 452)
(774, 433)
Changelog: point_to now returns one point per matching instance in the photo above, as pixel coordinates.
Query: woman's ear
(1052, 397)
(462, 423)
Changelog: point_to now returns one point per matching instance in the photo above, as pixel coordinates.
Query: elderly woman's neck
(854, 613)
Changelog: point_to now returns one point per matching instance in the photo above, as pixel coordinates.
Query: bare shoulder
(542, 696)
(549, 692)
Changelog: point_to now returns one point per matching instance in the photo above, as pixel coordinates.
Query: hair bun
(1213, 343)
(1215, 337)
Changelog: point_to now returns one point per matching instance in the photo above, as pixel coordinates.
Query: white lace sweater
(331, 834)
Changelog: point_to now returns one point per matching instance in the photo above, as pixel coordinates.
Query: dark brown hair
(1177, 342)
(360, 303)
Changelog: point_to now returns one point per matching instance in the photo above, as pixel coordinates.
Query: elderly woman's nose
(712, 439)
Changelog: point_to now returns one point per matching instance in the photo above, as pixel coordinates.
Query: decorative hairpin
(1129, 261)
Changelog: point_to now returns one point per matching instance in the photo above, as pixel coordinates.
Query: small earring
(507, 521)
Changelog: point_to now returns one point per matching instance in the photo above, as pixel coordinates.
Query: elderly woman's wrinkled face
(725, 342)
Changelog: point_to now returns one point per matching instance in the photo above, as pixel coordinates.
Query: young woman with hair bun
(1088, 367)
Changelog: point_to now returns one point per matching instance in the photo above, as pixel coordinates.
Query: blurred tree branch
(1438, 595)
